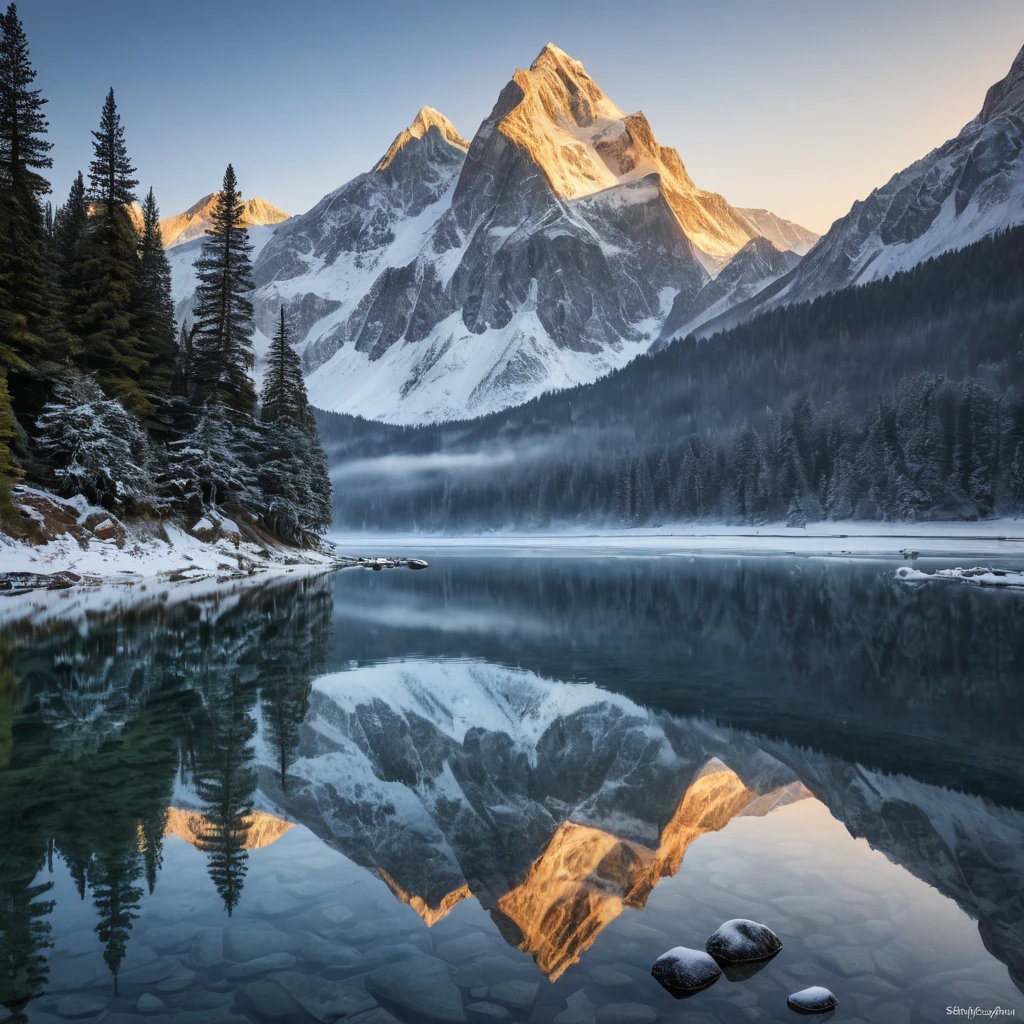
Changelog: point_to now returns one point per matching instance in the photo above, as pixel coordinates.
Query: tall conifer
(70, 221)
(295, 480)
(222, 348)
(106, 269)
(284, 391)
(30, 330)
(153, 306)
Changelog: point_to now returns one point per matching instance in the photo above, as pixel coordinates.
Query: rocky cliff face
(455, 279)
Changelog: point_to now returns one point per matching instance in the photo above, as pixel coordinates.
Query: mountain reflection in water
(546, 741)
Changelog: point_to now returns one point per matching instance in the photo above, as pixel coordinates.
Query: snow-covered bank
(1001, 538)
(979, 576)
(70, 542)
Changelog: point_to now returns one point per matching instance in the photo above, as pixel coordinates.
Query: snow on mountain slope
(966, 189)
(783, 234)
(756, 265)
(194, 222)
(453, 280)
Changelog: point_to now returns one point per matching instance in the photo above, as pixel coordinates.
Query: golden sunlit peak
(425, 119)
(430, 915)
(261, 829)
(556, 55)
(586, 877)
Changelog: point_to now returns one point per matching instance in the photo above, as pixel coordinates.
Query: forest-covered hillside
(901, 399)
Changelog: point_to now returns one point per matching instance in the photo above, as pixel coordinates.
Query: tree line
(100, 393)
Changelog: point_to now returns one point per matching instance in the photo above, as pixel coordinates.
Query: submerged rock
(487, 1011)
(149, 1003)
(324, 1000)
(421, 985)
(740, 941)
(627, 1013)
(682, 970)
(812, 1000)
(261, 965)
(519, 995)
(72, 1007)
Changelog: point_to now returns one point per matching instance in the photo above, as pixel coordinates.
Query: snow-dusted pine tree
(223, 353)
(152, 304)
(94, 446)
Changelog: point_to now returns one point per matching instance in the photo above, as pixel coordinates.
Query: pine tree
(151, 844)
(182, 384)
(24, 934)
(116, 897)
(295, 481)
(223, 353)
(225, 782)
(30, 330)
(284, 391)
(69, 224)
(94, 446)
(153, 306)
(106, 268)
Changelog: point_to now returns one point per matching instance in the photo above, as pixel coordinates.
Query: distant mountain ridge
(959, 193)
(195, 221)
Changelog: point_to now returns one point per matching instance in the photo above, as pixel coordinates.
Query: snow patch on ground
(979, 576)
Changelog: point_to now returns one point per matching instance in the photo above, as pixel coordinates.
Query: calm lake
(499, 788)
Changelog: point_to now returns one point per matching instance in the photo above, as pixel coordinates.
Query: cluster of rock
(738, 949)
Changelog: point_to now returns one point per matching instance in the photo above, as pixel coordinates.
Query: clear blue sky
(800, 106)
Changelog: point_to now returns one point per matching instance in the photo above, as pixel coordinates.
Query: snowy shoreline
(993, 538)
(86, 546)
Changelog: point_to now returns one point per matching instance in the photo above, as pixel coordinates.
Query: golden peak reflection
(430, 915)
(263, 828)
(586, 876)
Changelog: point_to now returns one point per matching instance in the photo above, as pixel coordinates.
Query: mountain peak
(196, 219)
(553, 55)
(1006, 93)
(425, 119)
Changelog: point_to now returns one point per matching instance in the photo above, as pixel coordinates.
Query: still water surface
(500, 788)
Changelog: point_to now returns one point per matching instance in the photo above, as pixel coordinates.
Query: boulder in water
(682, 970)
(740, 941)
(815, 999)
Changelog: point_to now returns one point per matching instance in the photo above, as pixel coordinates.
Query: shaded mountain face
(195, 221)
(963, 191)
(755, 266)
(455, 279)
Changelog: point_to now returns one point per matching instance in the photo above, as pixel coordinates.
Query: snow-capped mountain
(452, 279)
(963, 191)
(195, 221)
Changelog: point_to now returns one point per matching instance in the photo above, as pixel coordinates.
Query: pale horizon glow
(797, 107)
